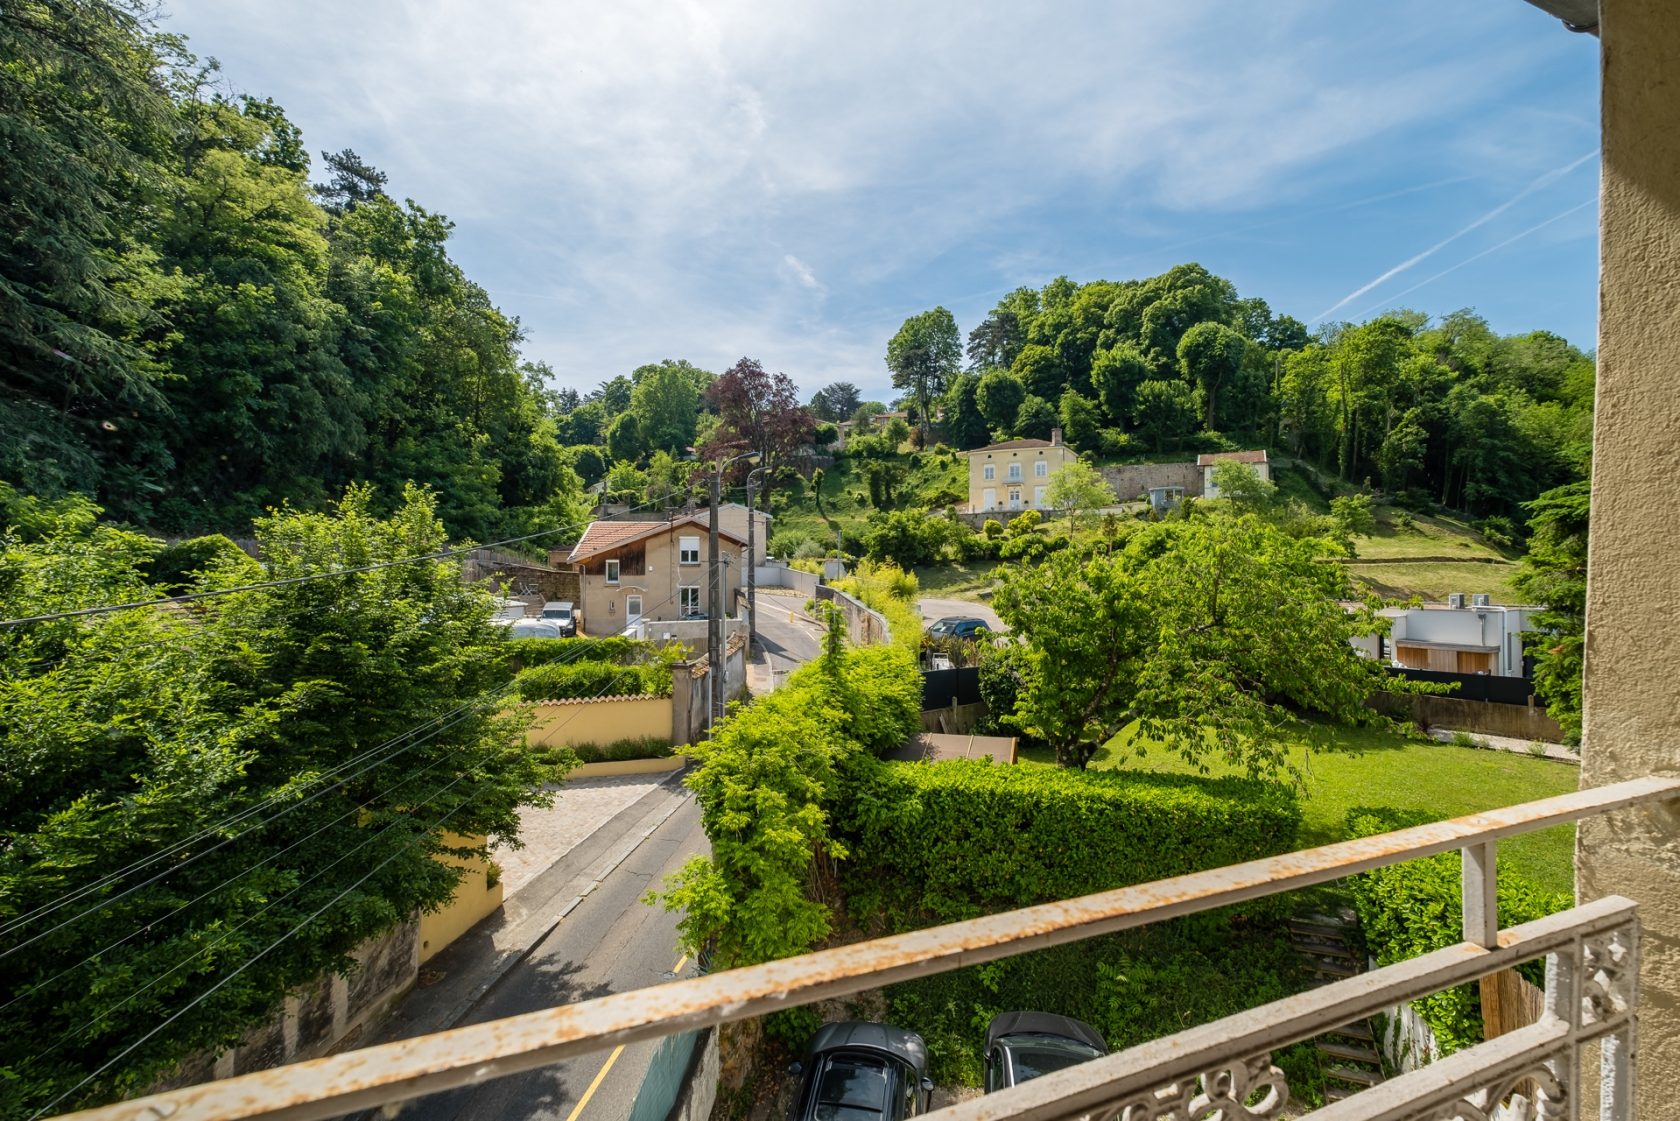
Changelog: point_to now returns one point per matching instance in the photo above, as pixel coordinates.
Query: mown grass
(1434, 580)
(1345, 769)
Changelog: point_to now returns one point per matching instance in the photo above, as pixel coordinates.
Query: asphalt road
(611, 942)
(939, 608)
(788, 641)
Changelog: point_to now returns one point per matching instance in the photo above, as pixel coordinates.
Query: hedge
(1414, 908)
(618, 751)
(966, 838)
(617, 649)
(567, 680)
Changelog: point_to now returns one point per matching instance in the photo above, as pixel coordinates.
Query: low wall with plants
(564, 681)
(966, 838)
(1414, 908)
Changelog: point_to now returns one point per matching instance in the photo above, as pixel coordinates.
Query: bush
(961, 839)
(618, 751)
(175, 566)
(1414, 908)
(541, 651)
(788, 542)
(560, 681)
(992, 528)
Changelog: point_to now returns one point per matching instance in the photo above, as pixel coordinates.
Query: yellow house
(1015, 474)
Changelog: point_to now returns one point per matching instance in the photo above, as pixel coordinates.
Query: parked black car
(958, 626)
(859, 1071)
(1023, 1045)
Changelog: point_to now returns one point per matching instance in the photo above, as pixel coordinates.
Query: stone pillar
(1632, 688)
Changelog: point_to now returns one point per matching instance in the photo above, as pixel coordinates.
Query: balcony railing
(1217, 1071)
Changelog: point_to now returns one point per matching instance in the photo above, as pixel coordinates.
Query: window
(688, 550)
(1014, 472)
(1041, 468)
(688, 599)
(989, 472)
(612, 572)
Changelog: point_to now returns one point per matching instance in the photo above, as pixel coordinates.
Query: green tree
(1179, 633)
(999, 396)
(1077, 487)
(625, 442)
(279, 721)
(1554, 574)
(1036, 418)
(666, 404)
(1209, 356)
(965, 424)
(835, 402)
(923, 356)
(1115, 375)
(1241, 486)
(1079, 419)
(1165, 410)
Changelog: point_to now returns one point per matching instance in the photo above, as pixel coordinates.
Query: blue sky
(638, 181)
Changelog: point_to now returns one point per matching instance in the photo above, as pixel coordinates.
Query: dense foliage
(966, 838)
(1414, 908)
(568, 680)
(768, 785)
(192, 333)
(607, 648)
(205, 808)
(1554, 575)
(1213, 634)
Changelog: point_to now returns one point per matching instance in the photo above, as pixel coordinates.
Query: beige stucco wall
(1632, 694)
(475, 897)
(602, 604)
(1056, 455)
(565, 724)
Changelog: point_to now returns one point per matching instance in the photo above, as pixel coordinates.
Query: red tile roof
(603, 536)
(1008, 444)
(1231, 457)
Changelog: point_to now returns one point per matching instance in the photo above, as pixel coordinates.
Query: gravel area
(580, 807)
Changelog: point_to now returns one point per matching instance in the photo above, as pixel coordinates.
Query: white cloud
(628, 178)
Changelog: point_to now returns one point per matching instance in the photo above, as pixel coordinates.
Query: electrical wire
(459, 713)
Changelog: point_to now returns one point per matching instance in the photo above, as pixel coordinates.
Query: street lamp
(717, 655)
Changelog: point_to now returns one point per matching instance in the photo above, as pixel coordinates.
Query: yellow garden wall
(475, 897)
(567, 723)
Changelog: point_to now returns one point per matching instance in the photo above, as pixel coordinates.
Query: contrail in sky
(1478, 256)
(1545, 180)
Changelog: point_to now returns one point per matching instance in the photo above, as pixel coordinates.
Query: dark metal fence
(942, 687)
(1475, 686)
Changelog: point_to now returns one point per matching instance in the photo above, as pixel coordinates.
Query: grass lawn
(958, 580)
(1433, 580)
(1365, 767)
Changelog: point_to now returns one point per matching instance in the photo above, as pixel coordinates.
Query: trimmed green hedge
(960, 839)
(540, 651)
(1413, 908)
(618, 751)
(562, 681)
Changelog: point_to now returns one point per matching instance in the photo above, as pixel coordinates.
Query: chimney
(1055, 437)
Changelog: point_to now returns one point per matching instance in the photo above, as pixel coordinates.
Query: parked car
(1020, 1046)
(860, 1071)
(560, 611)
(958, 626)
(531, 628)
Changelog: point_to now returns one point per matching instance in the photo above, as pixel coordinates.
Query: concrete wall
(565, 723)
(690, 632)
(691, 685)
(475, 897)
(1134, 479)
(1523, 722)
(1632, 687)
(954, 719)
(780, 576)
(864, 626)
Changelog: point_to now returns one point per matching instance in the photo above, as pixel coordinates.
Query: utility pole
(752, 565)
(717, 657)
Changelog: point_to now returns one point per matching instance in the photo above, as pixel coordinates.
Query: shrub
(616, 649)
(559, 681)
(992, 528)
(1414, 908)
(175, 566)
(618, 751)
(788, 542)
(965, 838)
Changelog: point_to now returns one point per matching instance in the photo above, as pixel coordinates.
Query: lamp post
(717, 654)
(752, 565)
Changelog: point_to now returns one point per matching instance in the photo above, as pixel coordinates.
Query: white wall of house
(1462, 640)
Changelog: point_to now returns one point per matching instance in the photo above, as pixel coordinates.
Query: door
(988, 498)
(1038, 498)
(1014, 498)
(632, 610)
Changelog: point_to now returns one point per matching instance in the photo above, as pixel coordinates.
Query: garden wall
(780, 576)
(864, 626)
(590, 720)
(1133, 479)
(1523, 722)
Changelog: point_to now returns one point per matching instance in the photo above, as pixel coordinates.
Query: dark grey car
(860, 1071)
(1020, 1046)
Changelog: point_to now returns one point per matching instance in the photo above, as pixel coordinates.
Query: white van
(559, 611)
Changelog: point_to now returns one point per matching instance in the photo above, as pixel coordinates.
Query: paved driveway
(939, 608)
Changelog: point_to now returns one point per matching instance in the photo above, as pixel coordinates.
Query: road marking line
(595, 1085)
(682, 961)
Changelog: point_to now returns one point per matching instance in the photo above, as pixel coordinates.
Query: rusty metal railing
(1595, 942)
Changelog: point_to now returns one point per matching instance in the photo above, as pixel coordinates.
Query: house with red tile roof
(652, 571)
(1254, 459)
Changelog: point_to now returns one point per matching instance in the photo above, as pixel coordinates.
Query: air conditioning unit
(1455, 599)
(1481, 599)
